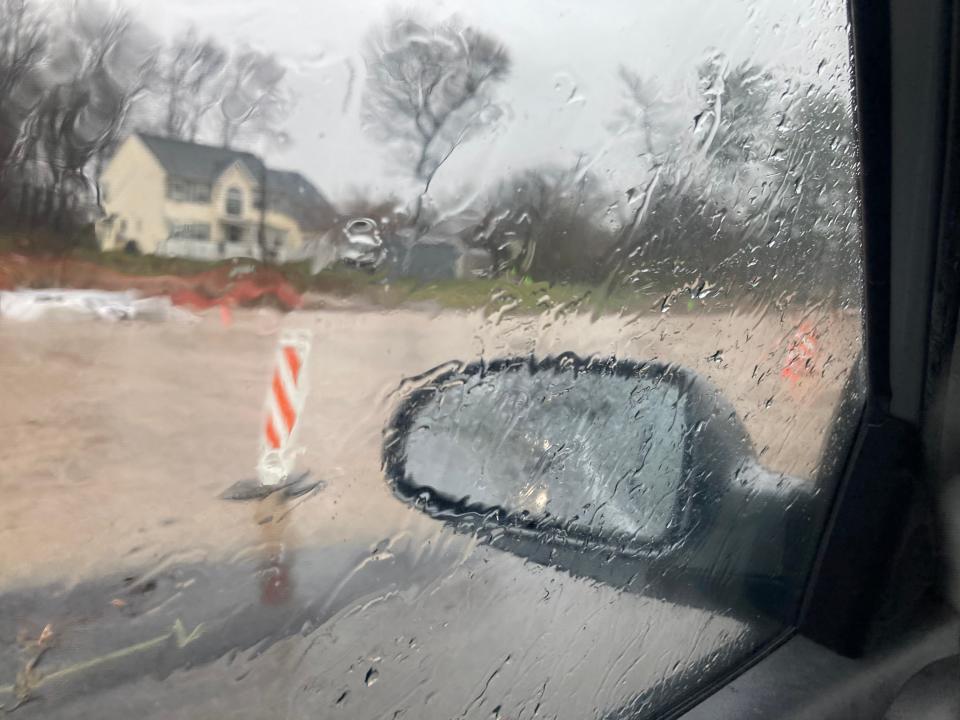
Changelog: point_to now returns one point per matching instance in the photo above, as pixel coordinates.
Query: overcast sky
(562, 92)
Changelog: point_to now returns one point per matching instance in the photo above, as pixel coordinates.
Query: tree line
(751, 182)
(753, 185)
(75, 81)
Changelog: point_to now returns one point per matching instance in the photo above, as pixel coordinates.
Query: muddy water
(119, 437)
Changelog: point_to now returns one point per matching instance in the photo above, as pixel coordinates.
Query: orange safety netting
(218, 286)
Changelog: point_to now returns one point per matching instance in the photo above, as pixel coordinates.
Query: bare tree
(546, 223)
(646, 114)
(665, 206)
(758, 190)
(189, 79)
(429, 89)
(196, 76)
(734, 123)
(737, 120)
(253, 98)
(96, 70)
(23, 45)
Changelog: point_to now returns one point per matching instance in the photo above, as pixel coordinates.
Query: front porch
(235, 239)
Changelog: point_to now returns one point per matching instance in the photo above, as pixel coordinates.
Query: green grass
(492, 295)
(473, 294)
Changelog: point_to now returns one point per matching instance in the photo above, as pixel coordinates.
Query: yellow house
(171, 197)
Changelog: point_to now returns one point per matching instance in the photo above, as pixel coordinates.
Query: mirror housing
(729, 517)
(709, 440)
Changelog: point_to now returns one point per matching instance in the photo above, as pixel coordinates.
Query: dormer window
(234, 201)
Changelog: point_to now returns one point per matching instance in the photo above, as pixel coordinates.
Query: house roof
(193, 161)
(291, 193)
(288, 191)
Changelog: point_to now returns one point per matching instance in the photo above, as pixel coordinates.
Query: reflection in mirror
(594, 451)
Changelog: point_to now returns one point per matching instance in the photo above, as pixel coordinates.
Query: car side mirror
(636, 459)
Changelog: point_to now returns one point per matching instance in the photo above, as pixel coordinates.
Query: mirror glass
(591, 451)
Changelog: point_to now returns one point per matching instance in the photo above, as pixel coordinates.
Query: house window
(187, 191)
(234, 201)
(190, 231)
(234, 233)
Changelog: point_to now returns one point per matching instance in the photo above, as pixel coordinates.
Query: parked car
(360, 244)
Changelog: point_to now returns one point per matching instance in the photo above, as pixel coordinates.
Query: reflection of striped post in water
(285, 398)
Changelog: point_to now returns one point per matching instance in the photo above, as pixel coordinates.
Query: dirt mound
(221, 285)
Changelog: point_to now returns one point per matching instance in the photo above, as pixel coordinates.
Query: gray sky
(563, 90)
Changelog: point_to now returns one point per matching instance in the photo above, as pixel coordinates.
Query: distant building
(441, 258)
(171, 197)
(440, 253)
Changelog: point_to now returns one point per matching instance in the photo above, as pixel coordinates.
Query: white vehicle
(360, 244)
(357, 243)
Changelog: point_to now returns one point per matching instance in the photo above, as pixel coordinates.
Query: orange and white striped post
(286, 395)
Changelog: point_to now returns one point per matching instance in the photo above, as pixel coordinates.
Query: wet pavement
(112, 630)
(197, 640)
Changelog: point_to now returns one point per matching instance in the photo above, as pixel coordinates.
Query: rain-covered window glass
(518, 390)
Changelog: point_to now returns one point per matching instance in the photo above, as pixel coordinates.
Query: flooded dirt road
(119, 437)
